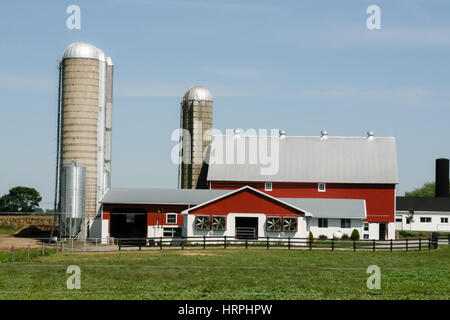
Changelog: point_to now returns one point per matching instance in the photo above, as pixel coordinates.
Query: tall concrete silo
(85, 122)
(196, 119)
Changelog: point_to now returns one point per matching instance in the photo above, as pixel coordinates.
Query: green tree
(427, 190)
(310, 237)
(355, 235)
(20, 199)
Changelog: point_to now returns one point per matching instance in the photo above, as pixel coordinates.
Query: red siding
(155, 213)
(380, 198)
(246, 201)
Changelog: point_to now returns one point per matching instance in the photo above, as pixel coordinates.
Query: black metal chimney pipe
(442, 178)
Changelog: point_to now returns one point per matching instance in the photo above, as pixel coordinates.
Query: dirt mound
(35, 231)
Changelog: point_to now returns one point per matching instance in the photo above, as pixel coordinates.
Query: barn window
(425, 219)
(290, 224)
(202, 223)
(323, 223)
(268, 186)
(218, 223)
(171, 218)
(321, 187)
(444, 220)
(273, 224)
(346, 223)
(366, 226)
(172, 232)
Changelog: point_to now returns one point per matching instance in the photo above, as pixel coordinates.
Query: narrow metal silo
(73, 192)
(196, 120)
(84, 122)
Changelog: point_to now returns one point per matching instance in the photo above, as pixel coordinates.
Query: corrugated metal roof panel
(330, 208)
(307, 159)
(319, 208)
(160, 196)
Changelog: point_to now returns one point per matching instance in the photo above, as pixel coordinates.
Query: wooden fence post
(246, 244)
(28, 252)
(160, 243)
(310, 244)
(374, 245)
(182, 243)
(354, 245)
(140, 244)
(267, 243)
(118, 242)
(204, 242)
(12, 254)
(420, 244)
(391, 245)
(406, 245)
(225, 242)
(289, 243)
(43, 249)
(332, 244)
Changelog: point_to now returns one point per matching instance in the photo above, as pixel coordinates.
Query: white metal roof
(83, 50)
(160, 196)
(306, 159)
(317, 208)
(198, 93)
(331, 208)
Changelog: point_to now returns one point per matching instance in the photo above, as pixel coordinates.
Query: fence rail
(288, 243)
(204, 242)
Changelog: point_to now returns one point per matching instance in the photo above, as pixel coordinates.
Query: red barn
(313, 167)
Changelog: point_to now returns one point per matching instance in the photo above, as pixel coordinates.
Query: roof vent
(236, 132)
(282, 134)
(370, 135)
(324, 134)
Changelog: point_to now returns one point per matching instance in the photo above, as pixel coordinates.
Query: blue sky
(301, 66)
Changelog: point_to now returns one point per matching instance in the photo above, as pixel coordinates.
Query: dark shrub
(310, 237)
(323, 237)
(345, 236)
(355, 235)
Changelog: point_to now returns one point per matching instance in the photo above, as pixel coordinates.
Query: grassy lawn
(230, 274)
(9, 229)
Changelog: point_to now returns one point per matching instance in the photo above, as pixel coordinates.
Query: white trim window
(346, 223)
(323, 223)
(172, 232)
(171, 218)
(267, 186)
(321, 187)
(444, 220)
(366, 226)
(425, 219)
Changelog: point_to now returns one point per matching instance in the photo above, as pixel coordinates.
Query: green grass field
(229, 274)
